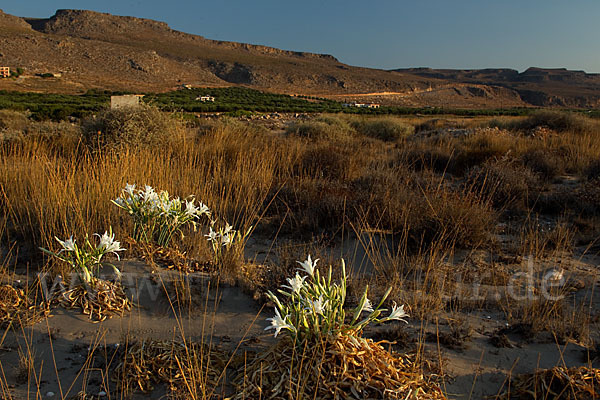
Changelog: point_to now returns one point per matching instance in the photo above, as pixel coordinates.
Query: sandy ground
(225, 317)
(231, 320)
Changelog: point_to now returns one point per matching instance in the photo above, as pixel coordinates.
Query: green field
(234, 100)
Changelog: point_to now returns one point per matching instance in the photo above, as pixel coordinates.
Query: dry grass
(413, 202)
(190, 370)
(346, 368)
(71, 194)
(556, 383)
(104, 301)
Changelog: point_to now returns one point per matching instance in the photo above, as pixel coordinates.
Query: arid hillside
(86, 49)
(537, 86)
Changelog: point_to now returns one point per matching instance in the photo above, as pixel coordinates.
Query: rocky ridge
(88, 49)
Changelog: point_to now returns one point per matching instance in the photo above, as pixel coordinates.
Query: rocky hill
(536, 86)
(86, 49)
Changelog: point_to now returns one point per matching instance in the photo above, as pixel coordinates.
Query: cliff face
(97, 50)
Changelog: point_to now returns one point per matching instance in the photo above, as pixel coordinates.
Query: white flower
(108, 244)
(228, 228)
(203, 209)
(148, 190)
(309, 265)
(278, 323)
(212, 235)
(398, 313)
(68, 245)
(150, 196)
(318, 306)
(555, 275)
(129, 189)
(226, 240)
(163, 203)
(367, 306)
(296, 283)
(191, 210)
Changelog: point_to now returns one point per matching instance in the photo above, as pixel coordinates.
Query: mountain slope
(96, 50)
(536, 86)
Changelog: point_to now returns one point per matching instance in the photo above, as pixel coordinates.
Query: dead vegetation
(345, 368)
(18, 306)
(104, 300)
(556, 383)
(190, 370)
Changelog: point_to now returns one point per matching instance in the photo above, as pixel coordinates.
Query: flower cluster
(314, 306)
(86, 260)
(224, 240)
(156, 216)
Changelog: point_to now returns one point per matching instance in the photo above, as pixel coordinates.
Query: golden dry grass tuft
(190, 370)
(344, 368)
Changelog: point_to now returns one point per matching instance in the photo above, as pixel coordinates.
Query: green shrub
(129, 127)
(386, 129)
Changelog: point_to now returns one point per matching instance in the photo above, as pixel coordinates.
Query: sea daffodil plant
(225, 240)
(86, 260)
(313, 306)
(156, 216)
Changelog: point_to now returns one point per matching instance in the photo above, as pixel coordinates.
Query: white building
(126, 101)
(205, 98)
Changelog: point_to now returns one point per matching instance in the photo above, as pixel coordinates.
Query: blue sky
(383, 33)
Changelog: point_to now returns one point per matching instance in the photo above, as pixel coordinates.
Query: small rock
(50, 394)
(101, 393)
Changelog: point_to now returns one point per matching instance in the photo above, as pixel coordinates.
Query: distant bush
(507, 184)
(414, 207)
(593, 170)
(129, 127)
(428, 156)
(386, 129)
(13, 120)
(478, 149)
(324, 127)
(325, 161)
(435, 124)
(15, 73)
(558, 121)
(544, 162)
